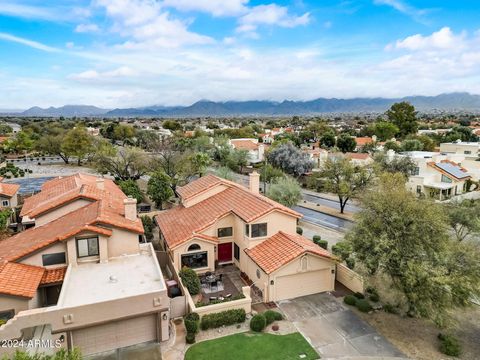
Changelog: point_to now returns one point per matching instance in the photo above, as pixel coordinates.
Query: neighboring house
(9, 199)
(437, 176)
(360, 159)
(470, 150)
(317, 156)
(220, 222)
(267, 138)
(80, 275)
(363, 141)
(255, 150)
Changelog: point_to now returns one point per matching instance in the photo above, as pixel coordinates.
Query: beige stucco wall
(13, 303)
(36, 258)
(277, 221)
(204, 195)
(122, 242)
(455, 148)
(61, 211)
(13, 201)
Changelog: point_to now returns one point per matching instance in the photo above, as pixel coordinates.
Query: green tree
(53, 145)
(78, 143)
(290, 159)
(130, 188)
(225, 173)
(5, 129)
(385, 130)
(345, 179)
(411, 145)
(397, 164)
(404, 116)
(464, 218)
(123, 163)
(286, 191)
(172, 125)
(237, 159)
(328, 139)
(124, 133)
(159, 188)
(346, 143)
(147, 139)
(147, 227)
(200, 162)
(405, 240)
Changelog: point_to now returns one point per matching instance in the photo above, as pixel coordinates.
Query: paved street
(335, 331)
(319, 199)
(322, 219)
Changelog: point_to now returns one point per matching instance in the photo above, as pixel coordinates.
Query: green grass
(252, 346)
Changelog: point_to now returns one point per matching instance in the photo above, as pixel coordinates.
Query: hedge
(449, 345)
(271, 316)
(229, 317)
(190, 280)
(258, 323)
(350, 300)
(363, 305)
(299, 230)
(191, 322)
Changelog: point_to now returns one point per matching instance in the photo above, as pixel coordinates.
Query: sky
(132, 53)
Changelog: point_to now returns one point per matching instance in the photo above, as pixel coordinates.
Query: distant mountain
(445, 102)
(67, 110)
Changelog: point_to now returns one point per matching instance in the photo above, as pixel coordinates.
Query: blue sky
(121, 53)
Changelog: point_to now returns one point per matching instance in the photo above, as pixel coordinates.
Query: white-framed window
(5, 203)
(87, 247)
(259, 230)
(225, 232)
(446, 179)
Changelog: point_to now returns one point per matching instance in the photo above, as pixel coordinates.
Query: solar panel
(452, 170)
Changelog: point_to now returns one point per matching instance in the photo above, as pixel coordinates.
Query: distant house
(363, 141)
(361, 159)
(9, 199)
(470, 150)
(317, 156)
(436, 176)
(256, 150)
(267, 138)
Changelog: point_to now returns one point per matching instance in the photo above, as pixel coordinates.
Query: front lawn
(253, 346)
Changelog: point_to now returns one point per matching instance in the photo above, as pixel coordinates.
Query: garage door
(292, 286)
(115, 335)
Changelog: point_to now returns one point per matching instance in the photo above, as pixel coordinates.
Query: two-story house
(470, 150)
(80, 275)
(220, 222)
(256, 151)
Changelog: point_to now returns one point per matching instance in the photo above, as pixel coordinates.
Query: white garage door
(292, 286)
(115, 335)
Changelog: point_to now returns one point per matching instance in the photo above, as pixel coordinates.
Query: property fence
(349, 278)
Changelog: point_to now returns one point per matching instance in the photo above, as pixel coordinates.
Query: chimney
(254, 182)
(130, 208)
(101, 183)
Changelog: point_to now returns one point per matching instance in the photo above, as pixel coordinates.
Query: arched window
(193, 247)
(304, 263)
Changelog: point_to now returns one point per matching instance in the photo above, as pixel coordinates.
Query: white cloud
(405, 8)
(271, 14)
(87, 28)
(27, 42)
(146, 24)
(94, 75)
(214, 7)
(26, 11)
(444, 39)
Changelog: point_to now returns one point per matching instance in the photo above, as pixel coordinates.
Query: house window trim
(5, 203)
(189, 249)
(444, 177)
(85, 238)
(193, 253)
(223, 228)
(259, 236)
(247, 230)
(236, 252)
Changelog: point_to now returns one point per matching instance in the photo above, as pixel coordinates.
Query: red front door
(224, 252)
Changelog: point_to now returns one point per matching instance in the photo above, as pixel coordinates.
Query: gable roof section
(53, 276)
(20, 279)
(198, 186)
(362, 141)
(8, 190)
(281, 248)
(182, 223)
(357, 156)
(62, 190)
(36, 238)
(451, 169)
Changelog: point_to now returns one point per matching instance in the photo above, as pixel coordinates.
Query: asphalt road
(330, 203)
(322, 219)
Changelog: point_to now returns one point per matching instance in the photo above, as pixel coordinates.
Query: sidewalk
(328, 196)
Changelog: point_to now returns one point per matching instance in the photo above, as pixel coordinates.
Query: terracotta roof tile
(182, 223)
(196, 187)
(20, 279)
(247, 144)
(52, 276)
(8, 189)
(357, 156)
(282, 248)
(60, 191)
(362, 141)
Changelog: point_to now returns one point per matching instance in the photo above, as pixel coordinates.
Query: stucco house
(255, 150)
(9, 199)
(80, 276)
(470, 150)
(437, 176)
(219, 222)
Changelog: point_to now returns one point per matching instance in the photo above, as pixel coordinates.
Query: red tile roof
(180, 224)
(247, 144)
(357, 156)
(281, 248)
(8, 189)
(362, 141)
(62, 190)
(20, 279)
(52, 276)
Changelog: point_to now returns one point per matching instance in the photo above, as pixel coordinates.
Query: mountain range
(443, 102)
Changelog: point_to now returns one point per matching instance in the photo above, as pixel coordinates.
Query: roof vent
(113, 279)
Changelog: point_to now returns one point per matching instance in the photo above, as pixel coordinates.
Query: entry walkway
(335, 331)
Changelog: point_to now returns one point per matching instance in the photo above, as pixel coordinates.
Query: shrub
(374, 297)
(389, 308)
(342, 249)
(258, 323)
(322, 244)
(229, 317)
(299, 230)
(271, 316)
(350, 300)
(190, 280)
(350, 262)
(363, 305)
(316, 238)
(190, 338)
(371, 290)
(449, 345)
(191, 323)
(359, 295)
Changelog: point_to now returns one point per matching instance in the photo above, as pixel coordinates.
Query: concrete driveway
(335, 331)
